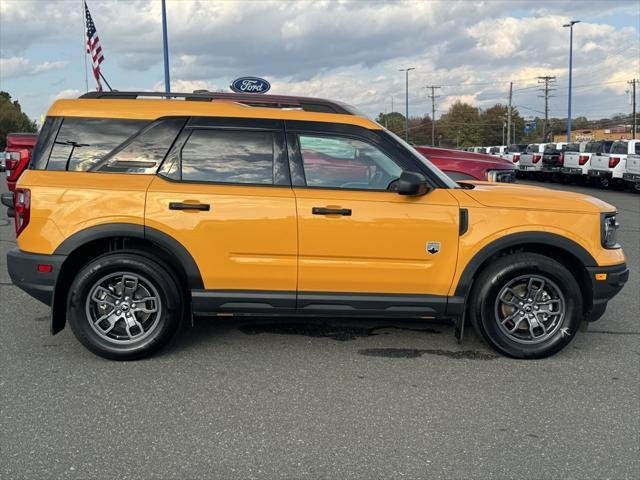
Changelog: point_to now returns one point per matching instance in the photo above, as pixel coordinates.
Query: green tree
(494, 121)
(460, 126)
(13, 119)
(394, 121)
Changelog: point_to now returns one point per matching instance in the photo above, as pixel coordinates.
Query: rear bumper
(631, 177)
(606, 283)
(24, 273)
(599, 173)
(572, 170)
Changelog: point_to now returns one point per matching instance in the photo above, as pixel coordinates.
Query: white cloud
(13, 67)
(68, 93)
(348, 50)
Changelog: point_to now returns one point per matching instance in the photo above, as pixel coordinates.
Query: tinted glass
(82, 142)
(43, 146)
(593, 147)
(224, 156)
(572, 147)
(533, 148)
(145, 153)
(619, 147)
(637, 148)
(550, 148)
(340, 162)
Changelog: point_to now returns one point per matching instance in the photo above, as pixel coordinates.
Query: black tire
(156, 277)
(483, 304)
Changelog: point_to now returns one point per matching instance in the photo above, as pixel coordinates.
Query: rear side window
(82, 142)
(227, 156)
(637, 148)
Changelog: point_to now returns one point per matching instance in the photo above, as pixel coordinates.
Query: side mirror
(412, 183)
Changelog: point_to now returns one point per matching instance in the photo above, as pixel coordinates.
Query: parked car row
(605, 163)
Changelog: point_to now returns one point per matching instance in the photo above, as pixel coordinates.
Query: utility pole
(547, 80)
(433, 97)
(570, 26)
(633, 84)
(406, 104)
(509, 112)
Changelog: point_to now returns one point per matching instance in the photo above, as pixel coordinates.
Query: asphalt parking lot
(322, 399)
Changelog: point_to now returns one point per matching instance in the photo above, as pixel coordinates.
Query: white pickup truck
(530, 159)
(498, 151)
(536, 158)
(514, 151)
(578, 163)
(608, 167)
(632, 175)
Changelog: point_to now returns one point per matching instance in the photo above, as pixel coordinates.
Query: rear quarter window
(82, 142)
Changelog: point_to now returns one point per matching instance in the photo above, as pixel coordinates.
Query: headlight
(504, 176)
(609, 230)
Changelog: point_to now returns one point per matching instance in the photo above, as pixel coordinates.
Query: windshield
(445, 179)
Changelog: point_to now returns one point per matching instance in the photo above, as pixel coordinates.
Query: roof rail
(250, 99)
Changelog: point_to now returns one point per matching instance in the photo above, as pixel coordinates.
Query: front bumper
(25, 273)
(606, 283)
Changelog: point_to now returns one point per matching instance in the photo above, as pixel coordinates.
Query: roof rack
(250, 99)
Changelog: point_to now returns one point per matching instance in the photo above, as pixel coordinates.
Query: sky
(344, 50)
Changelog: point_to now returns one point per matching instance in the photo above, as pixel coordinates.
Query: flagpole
(84, 47)
(165, 46)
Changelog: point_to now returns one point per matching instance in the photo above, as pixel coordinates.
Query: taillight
(22, 206)
(516, 157)
(582, 159)
(537, 158)
(16, 165)
(613, 161)
(561, 159)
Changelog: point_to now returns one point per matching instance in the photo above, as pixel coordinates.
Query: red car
(17, 155)
(460, 165)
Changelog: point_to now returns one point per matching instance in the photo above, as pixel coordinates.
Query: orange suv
(138, 212)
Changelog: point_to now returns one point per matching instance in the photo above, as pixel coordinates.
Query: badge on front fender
(433, 247)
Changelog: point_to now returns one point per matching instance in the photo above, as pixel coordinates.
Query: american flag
(93, 48)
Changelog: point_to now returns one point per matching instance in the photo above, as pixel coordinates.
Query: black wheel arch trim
(518, 239)
(114, 230)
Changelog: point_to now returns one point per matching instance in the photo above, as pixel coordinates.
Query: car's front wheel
(124, 306)
(526, 305)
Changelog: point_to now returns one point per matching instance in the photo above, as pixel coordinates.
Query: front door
(224, 194)
(361, 245)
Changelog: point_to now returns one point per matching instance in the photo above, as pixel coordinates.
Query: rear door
(224, 194)
(362, 246)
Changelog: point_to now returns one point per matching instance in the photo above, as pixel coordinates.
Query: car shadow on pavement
(212, 329)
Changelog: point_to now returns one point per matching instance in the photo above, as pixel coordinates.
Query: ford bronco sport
(137, 213)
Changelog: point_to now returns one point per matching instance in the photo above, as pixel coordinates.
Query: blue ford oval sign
(250, 85)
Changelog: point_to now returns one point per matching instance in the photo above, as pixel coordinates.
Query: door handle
(346, 212)
(204, 207)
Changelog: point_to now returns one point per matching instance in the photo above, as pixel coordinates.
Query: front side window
(342, 162)
(82, 142)
(228, 156)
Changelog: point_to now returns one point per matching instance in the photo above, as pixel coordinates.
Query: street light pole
(570, 25)
(406, 104)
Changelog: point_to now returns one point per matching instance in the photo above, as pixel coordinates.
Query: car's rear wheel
(124, 306)
(526, 305)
